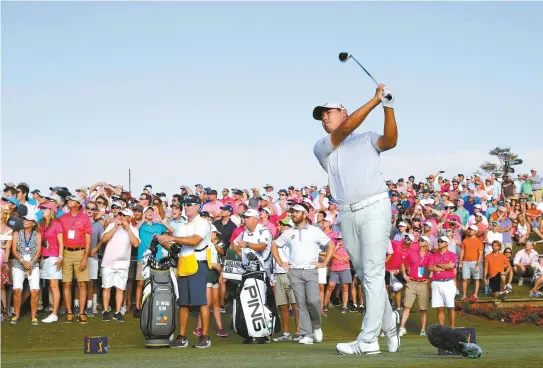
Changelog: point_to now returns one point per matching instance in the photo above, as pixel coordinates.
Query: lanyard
(74, 220)
(27, 243)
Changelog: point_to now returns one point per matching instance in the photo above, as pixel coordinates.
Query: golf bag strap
(201, 250)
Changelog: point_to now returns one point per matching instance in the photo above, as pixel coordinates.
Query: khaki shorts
(139, 271)
(417, 290)
(70, 264)
(283, 291)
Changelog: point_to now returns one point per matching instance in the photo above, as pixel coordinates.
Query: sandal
(69, 317)
(34, 321)
(14, 320)
(83, 318)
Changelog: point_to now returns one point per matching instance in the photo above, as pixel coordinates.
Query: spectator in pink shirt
(265, 221)
(213, 206)
(443, 267)
(226, 199)
(340, 273)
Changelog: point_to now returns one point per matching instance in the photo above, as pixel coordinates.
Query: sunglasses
(191, 204)
(115, 207)
(283, 195)
(143, 199)
(103, 203)
(91, 208)
(507, 252)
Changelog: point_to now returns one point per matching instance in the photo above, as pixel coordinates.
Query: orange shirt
(472, 247)
(496, 263)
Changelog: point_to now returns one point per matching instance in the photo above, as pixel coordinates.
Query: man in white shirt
(321, 202)
(492, 234)
(523, 261)
(356, 183)
(120, 237)
(303, 244)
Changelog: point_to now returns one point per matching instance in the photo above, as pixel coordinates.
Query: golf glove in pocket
(385, 101)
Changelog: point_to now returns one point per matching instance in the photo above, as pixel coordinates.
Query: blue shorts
(192, 289)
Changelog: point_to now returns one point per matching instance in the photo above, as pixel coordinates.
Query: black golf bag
(254, 314)
(159, 307)
(448, 339)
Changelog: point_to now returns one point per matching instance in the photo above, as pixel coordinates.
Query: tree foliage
(503, 154)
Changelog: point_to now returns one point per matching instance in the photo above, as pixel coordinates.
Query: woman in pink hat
(52, 251)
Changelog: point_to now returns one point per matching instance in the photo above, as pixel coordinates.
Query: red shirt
(80, 224)
(398, 257)
(438, 258)
(227, 201)
(238, 230)
(50, 235)
(414, 261)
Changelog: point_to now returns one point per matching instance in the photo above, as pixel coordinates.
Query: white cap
(444, 238)
(410, 236)
(425, 238)
(55, 197)
(428, 223)
(308, 201)
(251, 213)
(127, 212)
(265, 209)
(329, 218)
(322, 191)
(473, 227)
(402, 224)
(477, 206)
(75, 198)
(298, 207)
(31, 217)
(265, 197)
(317, 111)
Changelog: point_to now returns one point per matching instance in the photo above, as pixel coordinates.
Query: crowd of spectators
(73, 247)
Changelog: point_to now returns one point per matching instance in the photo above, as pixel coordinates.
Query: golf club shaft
(368, 73)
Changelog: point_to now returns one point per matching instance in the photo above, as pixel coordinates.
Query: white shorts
(212, 286)
(92, 264)
(19, 276)
(322, 272)
(443, 293)
(114, 278)
(49, 271)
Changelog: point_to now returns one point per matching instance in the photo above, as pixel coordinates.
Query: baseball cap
(282, 191)
(238, 192)
(425, 238)
(268, 186)
(287, 221)
(31, 217)
(443, 239)
(75, 198)
(410, 236)
(428, 223)
(193, 199)
(251, 213)
(9, 185)
(12, 200)
(205, 214)
(127, 212)
(322, 191)
(477, 206)
(139, 207)
(227, 208)
(81, 189)
(54, 197)
(308, 201)
(473, 227)
(36, 191)
(318, 110)
(265, 198)
(265, 209)
(48, 205)
(402, 224)
(291, 187)
(300, 207)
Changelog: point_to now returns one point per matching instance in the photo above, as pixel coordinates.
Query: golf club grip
(388, 97)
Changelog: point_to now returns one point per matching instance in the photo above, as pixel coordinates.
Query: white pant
(92, 264)
(49, 269)
(323, 273)
(19, 278)
(366, 238)
(443, 293)
(114, 278)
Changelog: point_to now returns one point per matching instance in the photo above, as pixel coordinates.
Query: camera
(45, 244)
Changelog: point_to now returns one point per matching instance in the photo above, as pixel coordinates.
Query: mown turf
(61, 345)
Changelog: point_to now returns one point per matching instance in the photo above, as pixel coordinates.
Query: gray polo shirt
(353, 167)
(303, 244)
(537, 182)
(97, 232)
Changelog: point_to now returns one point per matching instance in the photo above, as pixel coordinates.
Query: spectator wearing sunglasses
(22, 196)
(91, 209)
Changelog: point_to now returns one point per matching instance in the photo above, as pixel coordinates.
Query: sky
(222, 93)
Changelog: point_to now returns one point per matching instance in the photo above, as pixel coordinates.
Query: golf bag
(159, 309)
(448, 339)
(254, 314)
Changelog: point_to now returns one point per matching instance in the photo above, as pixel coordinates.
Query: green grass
(61, 345)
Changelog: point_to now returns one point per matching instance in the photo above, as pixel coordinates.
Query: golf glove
(385, 101)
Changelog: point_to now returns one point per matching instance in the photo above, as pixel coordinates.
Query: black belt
(202, 261)
(74, 249)
(45, 257)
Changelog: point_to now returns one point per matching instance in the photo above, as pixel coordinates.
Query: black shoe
(202, 343)
(180, 342)
(353, 308)
(118, 317)
(137, 313)
(105, 317)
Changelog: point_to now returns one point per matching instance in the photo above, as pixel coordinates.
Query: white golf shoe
(50, 319)
(318, 335)
(393, 336)
(358, 348)
(306, 340)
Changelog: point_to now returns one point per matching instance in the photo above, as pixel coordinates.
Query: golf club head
(344, 56)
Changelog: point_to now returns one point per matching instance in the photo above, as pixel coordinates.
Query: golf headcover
(385, 101)
(448, 339)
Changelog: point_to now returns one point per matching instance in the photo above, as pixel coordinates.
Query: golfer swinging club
(352, 163)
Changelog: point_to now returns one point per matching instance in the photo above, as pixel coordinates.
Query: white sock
(76, 303)
(89, 303)
(94, 300)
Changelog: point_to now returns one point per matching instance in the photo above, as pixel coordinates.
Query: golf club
(344, 56)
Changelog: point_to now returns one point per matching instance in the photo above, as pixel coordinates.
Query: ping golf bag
(159, 310)
(448, 339)
(254, 314)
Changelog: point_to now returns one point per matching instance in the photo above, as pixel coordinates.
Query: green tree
(503, 154)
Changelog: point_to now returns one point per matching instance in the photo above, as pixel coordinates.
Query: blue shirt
(146, 236)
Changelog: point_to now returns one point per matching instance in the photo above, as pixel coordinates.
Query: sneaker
(297, 337)
(422, 333)
(180, 342)
(502, 295)
(123, 310)
(76, 310)
(50, 318)
(34, 321)
(344, 310)
(105, 316)
(69, 318)
(318, 335)
(197, 331)
(223, 309)
(202, 343)
(521, 281)
(353, 308)
(40, 307)
(14, 320)
(358, 348)
(11, 312)
(325, 308)
(361, 309)
(457, 292)
(118, 317)
(83, 318)
(403, 331)
(137, 313)
(306, 340)
(509, 288)
(393, 336)
(536, 294)
(283, 337)
(89, 312)
(222, 333)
